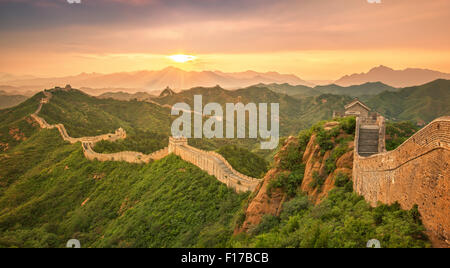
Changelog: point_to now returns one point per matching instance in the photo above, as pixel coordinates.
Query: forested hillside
(295, 114)
(421, 104)
(310, 181)
(50, 193)
(301, 91)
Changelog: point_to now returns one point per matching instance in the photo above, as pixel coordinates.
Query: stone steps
(368, 141)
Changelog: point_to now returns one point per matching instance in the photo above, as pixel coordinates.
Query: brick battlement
(211, 162)
(214, 164)
(417, 172)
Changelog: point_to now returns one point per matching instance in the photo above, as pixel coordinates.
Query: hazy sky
(314, 39)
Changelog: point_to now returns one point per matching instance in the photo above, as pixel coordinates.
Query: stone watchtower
(175, 142)
(356, 108)
(370, 128)
(120, 133)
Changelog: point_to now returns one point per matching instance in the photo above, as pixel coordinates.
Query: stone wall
(214, 164)
(117, 135)
(417, 172)
(211, 162)
(88, 142)
(127, 156)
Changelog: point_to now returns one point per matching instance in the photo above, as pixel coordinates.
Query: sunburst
(181, 58)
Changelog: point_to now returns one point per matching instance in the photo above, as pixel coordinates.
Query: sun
(180, 58)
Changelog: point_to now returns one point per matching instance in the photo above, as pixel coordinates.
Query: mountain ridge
(395, 78)
(173, 77)
(299, 91)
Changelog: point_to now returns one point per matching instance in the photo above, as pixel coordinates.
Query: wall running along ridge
(214, 164)
(417, 172)
(211, 162)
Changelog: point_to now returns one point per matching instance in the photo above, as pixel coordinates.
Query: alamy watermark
(73, 243)
(373, 243)
(213, 127)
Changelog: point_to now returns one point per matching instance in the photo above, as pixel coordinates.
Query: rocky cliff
(319, 168)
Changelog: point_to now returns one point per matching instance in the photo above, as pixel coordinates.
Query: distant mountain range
(5, 77)
(420, 104)
(156, 80)
(376, 80)
(301, 91)
(124, 96)
(7, 100)
(396, 78)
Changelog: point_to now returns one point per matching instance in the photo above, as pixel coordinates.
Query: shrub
(295, 205)
(268, 222)
(244, 161)
(289, 182)
(318, 180)
(343, 219)
(397, 133)
(348, 124)
(324, 140)
(341, 179)
(291, 156)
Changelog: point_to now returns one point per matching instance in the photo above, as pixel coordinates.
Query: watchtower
(176, 142)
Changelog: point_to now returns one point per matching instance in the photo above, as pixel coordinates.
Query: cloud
(221, 26)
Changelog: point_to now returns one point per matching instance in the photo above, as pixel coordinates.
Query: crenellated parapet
(126, 156)
(88, 142)
(214, 164)
(211, 162)
(416, 173)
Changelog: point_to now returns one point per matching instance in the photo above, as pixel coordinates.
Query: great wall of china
(214, 164)
(416, 173)
(211, 162)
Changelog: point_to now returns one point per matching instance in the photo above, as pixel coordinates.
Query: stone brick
(417, 172)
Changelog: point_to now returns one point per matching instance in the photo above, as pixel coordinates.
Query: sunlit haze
(182, 58)
(311, 39)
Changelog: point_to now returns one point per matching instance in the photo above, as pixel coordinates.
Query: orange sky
(314, 39)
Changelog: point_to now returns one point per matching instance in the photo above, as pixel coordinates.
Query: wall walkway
(211, 162)
(417, 172)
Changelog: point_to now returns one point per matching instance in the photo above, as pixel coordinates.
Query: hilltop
(125, 96)
(147, 124)
(420, 104)
(300, 91)
(295, 114)
(396, 78)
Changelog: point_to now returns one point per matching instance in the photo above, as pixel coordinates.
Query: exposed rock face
(263, 204)
(315, 162)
